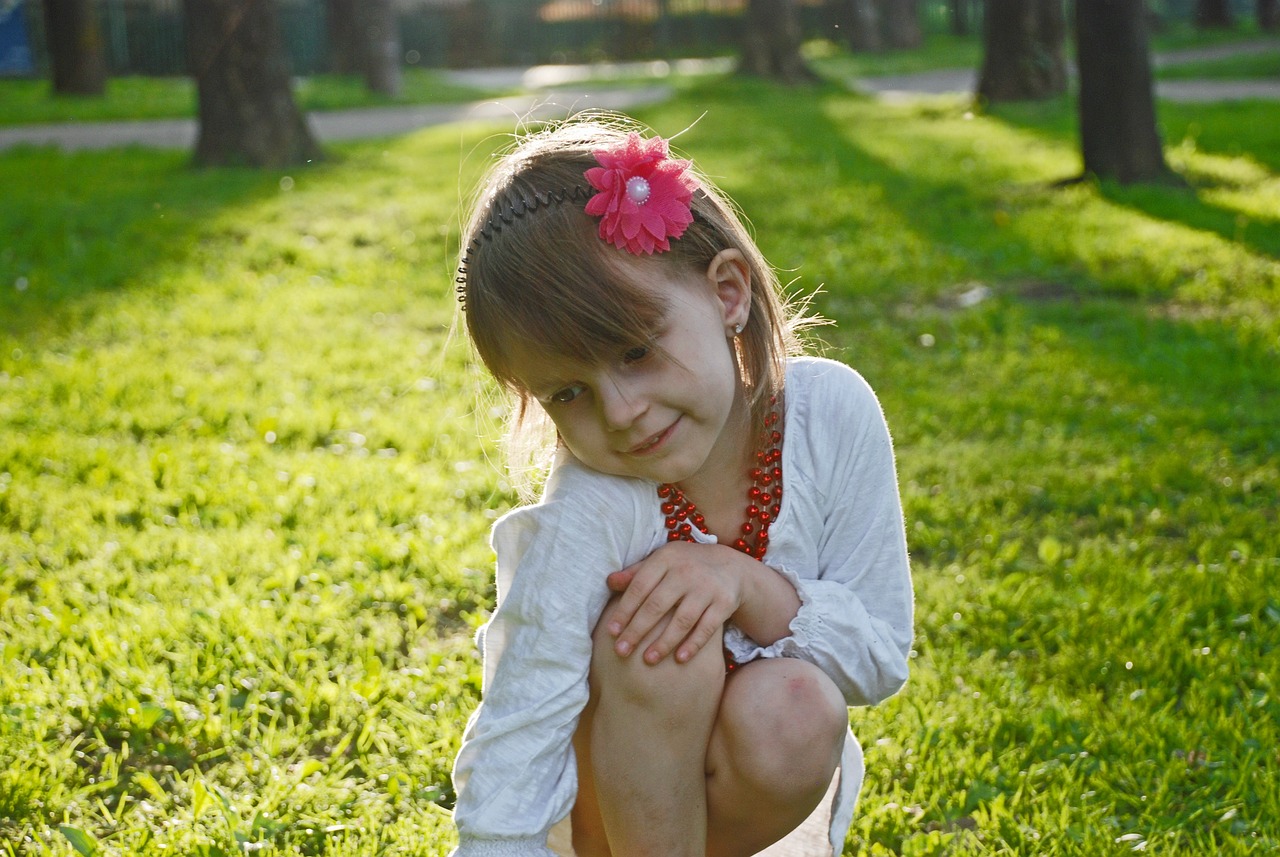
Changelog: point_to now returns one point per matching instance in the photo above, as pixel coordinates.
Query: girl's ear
(730, 276)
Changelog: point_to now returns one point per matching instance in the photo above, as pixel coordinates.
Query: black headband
(511, 209)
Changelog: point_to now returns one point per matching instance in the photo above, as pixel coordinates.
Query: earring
(737, 329)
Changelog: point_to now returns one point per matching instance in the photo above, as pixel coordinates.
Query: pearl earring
(737, 329)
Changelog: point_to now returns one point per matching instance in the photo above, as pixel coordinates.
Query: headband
(643, 198)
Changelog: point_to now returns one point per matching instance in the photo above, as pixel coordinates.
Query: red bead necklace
(764, 500)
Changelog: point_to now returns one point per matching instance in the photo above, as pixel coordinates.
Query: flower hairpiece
(645, 196)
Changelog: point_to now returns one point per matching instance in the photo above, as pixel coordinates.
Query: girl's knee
(665, 683)
(786, 726)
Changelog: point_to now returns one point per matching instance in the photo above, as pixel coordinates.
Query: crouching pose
(716, 567)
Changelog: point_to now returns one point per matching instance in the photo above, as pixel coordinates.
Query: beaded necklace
(764, 500)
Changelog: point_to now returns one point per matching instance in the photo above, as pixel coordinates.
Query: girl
(717, 567)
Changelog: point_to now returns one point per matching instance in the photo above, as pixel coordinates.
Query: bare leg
(775, 747)
(648, 745)
(674, 760)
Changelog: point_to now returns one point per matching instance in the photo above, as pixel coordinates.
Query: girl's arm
(838, 595)
(515, 774)
(855, 618)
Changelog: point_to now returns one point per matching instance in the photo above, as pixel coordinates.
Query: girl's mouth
(653, 442)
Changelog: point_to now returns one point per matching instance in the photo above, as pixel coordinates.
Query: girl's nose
(620, 404)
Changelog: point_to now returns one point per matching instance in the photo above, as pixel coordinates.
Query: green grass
(1245, 67)
(939, 51)
(24, 101)
(246, 475)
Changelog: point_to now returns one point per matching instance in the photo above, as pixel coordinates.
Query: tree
(1023, 50)
(1268, 15)
(77, 51)
(859, 21)
(1213, 13)
(958, 16)
(364, 39)
(246, 108)
(771, 42)
(901, 23)
(1118, 137)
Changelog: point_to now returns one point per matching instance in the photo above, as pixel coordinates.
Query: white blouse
(839, 538)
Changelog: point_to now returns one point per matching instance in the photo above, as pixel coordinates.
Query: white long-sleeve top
(838, 538)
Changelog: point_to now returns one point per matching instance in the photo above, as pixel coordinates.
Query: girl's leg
(774, 749)
(674, 759)
(642, 749)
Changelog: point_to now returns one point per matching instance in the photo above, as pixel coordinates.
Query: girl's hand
(698, 587)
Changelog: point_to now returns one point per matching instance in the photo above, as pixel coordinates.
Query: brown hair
(535, 274)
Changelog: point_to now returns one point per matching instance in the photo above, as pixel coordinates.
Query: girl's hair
(536, 277)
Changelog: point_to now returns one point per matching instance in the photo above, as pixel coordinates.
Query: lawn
(26, 101)
(247, 470)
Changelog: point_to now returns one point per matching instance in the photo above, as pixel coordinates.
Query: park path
(965, 80)
(562, 89)
(334, 125)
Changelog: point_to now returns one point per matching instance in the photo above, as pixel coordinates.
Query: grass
(1245, 67)
(27, 101)
(246, 475)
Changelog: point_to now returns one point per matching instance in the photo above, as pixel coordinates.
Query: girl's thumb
(620, 580)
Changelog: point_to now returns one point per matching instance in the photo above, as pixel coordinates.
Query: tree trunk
(1213, 13)
(77, 51)
(382, 42)
(1118, 137)
(859, 22)
(1023, 44)
(959, 17)
(342, 27)
(901, 23)
(364, 39)
(247, 112)
(1268, 15)
(771, 42)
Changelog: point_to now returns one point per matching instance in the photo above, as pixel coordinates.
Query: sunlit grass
(26, 101)
(246, 475)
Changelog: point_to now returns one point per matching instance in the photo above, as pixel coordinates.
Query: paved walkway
(562, 89)
(332, 125)
(965, 80)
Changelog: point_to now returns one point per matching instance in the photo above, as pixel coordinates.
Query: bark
(1023, 58)
(1118, 137)
(342, 28)
(77, 51)
(364, 39)
(771, 43)
(382, 47)
(1268, 15)
(859, 22)
(1213, 13)
(901, 23)
(247, 114)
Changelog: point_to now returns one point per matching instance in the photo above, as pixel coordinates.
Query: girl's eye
(635, 355)
(565, 396)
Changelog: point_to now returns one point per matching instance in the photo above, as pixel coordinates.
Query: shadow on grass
(1250, 129)
(1202, 374)
(82, 226)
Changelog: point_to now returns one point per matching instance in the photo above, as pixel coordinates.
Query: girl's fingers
(657, 603)
(687, 616)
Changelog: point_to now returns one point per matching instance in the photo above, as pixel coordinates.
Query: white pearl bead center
(638, 190)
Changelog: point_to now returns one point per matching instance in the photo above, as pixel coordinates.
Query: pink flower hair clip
(645, 196)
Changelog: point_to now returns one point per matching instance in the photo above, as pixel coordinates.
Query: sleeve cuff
(805, 628)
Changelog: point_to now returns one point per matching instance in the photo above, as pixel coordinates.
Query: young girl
(717, 567)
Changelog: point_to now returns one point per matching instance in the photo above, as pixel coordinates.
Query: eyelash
(566, 396)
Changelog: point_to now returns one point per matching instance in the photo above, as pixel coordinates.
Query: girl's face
(669, 409)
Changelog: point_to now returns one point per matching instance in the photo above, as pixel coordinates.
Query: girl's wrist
(768, 604)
